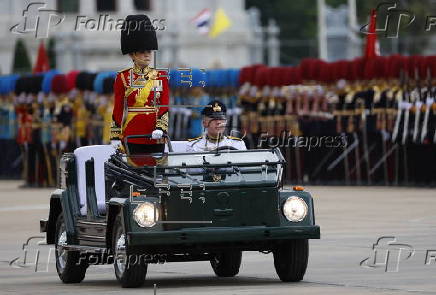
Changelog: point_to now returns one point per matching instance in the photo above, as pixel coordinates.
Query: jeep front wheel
(69, 266)
(226, 264)
(129, 272)
(290, 260)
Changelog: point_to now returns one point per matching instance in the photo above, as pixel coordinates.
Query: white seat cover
(178, 146)
(101, 154)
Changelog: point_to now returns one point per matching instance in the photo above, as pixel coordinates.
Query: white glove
(115, 143)
(157, 134)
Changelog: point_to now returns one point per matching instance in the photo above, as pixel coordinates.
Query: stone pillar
(88, 7)
(76, 48)
(256, 44)
(62, 53)
(273, 44)
(125, 7)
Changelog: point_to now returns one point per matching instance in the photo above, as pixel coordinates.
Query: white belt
(141, 109)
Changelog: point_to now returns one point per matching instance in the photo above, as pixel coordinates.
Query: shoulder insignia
(123, 70)
(123, 78)
(153, 74)
(196, 138)
(234, 138)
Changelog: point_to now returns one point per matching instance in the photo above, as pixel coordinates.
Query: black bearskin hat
(138, 34)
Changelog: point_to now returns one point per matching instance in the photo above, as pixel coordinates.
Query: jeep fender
(55, 210)
(115, 206)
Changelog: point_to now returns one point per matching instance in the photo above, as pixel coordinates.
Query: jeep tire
(290, 260)
(129, 273)
(226, 264)
(69, 266)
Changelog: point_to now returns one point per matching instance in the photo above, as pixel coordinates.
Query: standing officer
(139, 90)
(214, 121)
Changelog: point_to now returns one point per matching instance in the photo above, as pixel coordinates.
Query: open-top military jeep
(176, 206)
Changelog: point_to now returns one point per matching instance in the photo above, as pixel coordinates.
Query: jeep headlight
(146, 214)
(295, 209)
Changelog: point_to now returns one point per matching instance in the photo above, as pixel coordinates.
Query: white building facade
(87, 35)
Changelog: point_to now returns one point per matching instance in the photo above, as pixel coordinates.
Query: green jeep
(130, 211)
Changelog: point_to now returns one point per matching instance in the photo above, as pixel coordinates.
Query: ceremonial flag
(41, 64)
(221, 23)
(372, 48)
(202, 21)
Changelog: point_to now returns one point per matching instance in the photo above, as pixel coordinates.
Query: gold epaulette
(123, 70)
(234, 138)
(196, 138)
(115, 132)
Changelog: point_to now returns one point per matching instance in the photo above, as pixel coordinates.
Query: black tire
(290, 260)
(134, 272)
(70, 268)
(226, 264)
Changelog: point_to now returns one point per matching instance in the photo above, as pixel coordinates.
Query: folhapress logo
(394, 20)
(35, 254)
(38, 19)
(387, 254)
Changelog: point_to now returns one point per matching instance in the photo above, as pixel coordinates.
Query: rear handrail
(168, 141)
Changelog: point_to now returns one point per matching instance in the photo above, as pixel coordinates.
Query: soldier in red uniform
(139, 90)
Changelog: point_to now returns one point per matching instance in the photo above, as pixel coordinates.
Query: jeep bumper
(222, 235)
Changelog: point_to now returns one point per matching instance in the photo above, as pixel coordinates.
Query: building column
(273, 43)
(256, 44)
(88, 7)
(62, 53)
(125, 7)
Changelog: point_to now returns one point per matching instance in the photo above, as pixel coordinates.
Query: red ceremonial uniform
(24, 134)
(137, 96)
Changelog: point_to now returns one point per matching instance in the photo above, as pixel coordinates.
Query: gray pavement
(351, 220)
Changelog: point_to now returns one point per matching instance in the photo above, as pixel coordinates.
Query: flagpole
(354, 49)
(322, 35)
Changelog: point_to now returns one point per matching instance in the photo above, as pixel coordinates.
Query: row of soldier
(353, 122)
(382, 108)
(45, 115)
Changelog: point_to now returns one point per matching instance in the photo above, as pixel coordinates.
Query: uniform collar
(148, 72)
(138, 70)
(214, 139)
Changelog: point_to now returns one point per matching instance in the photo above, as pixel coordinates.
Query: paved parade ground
(352, 219)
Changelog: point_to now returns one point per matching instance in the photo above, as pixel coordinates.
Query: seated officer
(214, 121)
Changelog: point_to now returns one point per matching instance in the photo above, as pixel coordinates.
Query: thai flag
(202, 21)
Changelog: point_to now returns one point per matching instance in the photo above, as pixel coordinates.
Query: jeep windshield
(228, 168)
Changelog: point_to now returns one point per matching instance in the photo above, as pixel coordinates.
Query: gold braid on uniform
(162, 122)
(195, 138)
(115, 131)
(234, 138)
